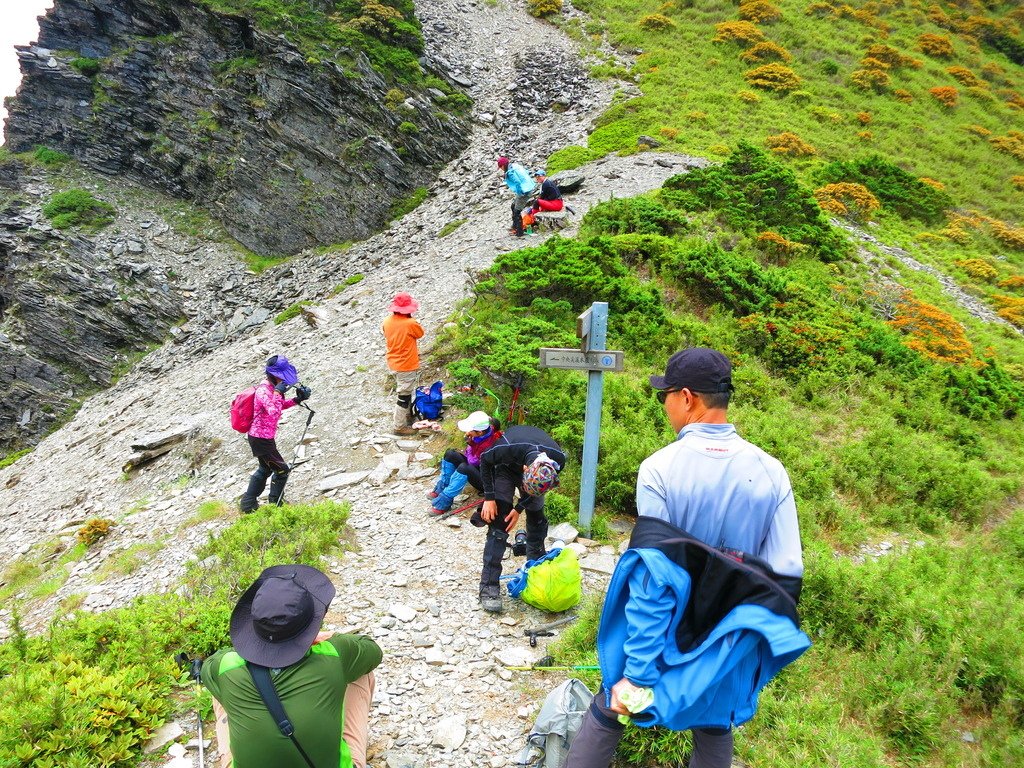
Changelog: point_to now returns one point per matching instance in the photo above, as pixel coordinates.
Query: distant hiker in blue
(701, 611)
(518, 180)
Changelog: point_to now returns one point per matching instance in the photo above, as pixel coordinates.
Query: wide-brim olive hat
(278, 617)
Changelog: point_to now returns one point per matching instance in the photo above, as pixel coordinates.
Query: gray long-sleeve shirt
(726, 492)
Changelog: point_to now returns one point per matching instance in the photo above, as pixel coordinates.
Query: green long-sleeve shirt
(312, 692)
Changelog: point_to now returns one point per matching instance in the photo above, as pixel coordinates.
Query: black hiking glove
(281, 387)
(302, 393)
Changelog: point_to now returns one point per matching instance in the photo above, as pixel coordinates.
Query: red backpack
(242, 409)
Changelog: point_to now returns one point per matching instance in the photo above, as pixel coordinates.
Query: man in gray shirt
(720, 489)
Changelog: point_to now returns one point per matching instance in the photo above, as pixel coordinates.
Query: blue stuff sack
(428, 401)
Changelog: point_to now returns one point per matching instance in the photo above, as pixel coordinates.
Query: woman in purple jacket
(268, 404)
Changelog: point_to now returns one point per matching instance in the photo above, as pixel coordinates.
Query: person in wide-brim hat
(277, 618)
(401, 332)
(324, 680)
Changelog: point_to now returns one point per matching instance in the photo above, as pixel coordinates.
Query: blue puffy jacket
(704, 629)
(518, 180)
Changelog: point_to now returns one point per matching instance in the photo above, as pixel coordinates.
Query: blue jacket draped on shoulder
(705, 629)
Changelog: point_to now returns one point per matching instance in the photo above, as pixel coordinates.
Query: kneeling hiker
(324, 681)
(482, 431)
(526, 459)
(268, 403)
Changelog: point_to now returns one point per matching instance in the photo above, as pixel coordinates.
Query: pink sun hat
(404, 303)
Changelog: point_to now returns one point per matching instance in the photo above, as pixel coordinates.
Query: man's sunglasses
(662, 394)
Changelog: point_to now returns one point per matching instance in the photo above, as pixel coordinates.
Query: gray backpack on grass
(557, 723)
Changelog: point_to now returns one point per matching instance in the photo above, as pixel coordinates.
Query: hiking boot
(404, 431)
(490, 598)
(433, 495)
(438, 512)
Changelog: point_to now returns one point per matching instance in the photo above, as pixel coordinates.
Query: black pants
(458, 459)
(271, 465)
(507, 480)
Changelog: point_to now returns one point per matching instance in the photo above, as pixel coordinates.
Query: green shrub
(410, 203)
(897, 190)
(51, 158)
(10, 458)
(716, 276)
(86, 66)
(94, 689)
(754, 193)
(78, 208)
(293, 311)
(633, 215)
(570, 157)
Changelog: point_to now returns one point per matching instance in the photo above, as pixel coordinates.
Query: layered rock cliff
(72, 309)
(287, 150)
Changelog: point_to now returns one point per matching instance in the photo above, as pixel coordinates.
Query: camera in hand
(519, 547)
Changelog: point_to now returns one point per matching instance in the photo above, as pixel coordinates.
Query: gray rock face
(69, 312)
(203, 105)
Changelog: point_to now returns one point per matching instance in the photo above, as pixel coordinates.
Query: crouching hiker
(527, 460)
(458, 468)
(323, 681)
(268, 403)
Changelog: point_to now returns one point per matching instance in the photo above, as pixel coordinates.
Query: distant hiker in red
(550, 195)
(400, 335)
(268, 404)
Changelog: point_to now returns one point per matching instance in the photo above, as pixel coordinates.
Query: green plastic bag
(552, 583)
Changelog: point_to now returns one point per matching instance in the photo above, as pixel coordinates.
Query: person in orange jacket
(400, 333)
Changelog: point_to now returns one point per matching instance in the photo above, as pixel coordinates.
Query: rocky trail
(444, 696)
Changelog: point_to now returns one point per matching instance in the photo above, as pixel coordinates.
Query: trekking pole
(460, 510)
(195, 666)
(295, 450)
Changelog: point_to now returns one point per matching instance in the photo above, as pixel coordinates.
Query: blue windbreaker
(713, 679)
(518, 180)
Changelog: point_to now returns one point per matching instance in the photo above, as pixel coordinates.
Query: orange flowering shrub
(932, 182)
(789, 144)
(741, 32)
(656, 22)
(933, 333)
(542, 8)
(1011, 144)
(1012, 237)
(865, 135)
(1014, 100)
(936, 46)
(864, 118)
(778, 247)
(956, 234)
(759, 11)
(993, 71)
(946, 95)
(978, 130)
(852, 201)
(870, 80)
(820, 9)
(1010, 308)
(748, 96)
(697, 116)
(891, 56)
(766, 51)
(869, 63)
(965, 77)
(978, 269)
(1013, 283)
(773, 77)
(1017, 182)
(903, 95)
(669, 133)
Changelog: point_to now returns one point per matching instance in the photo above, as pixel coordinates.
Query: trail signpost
(592, 328)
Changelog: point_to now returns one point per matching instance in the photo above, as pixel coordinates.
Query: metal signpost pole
(593, 342)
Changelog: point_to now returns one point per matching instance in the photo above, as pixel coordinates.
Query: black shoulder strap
(265, 686)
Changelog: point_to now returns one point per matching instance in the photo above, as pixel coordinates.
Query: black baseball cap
(698, 369)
